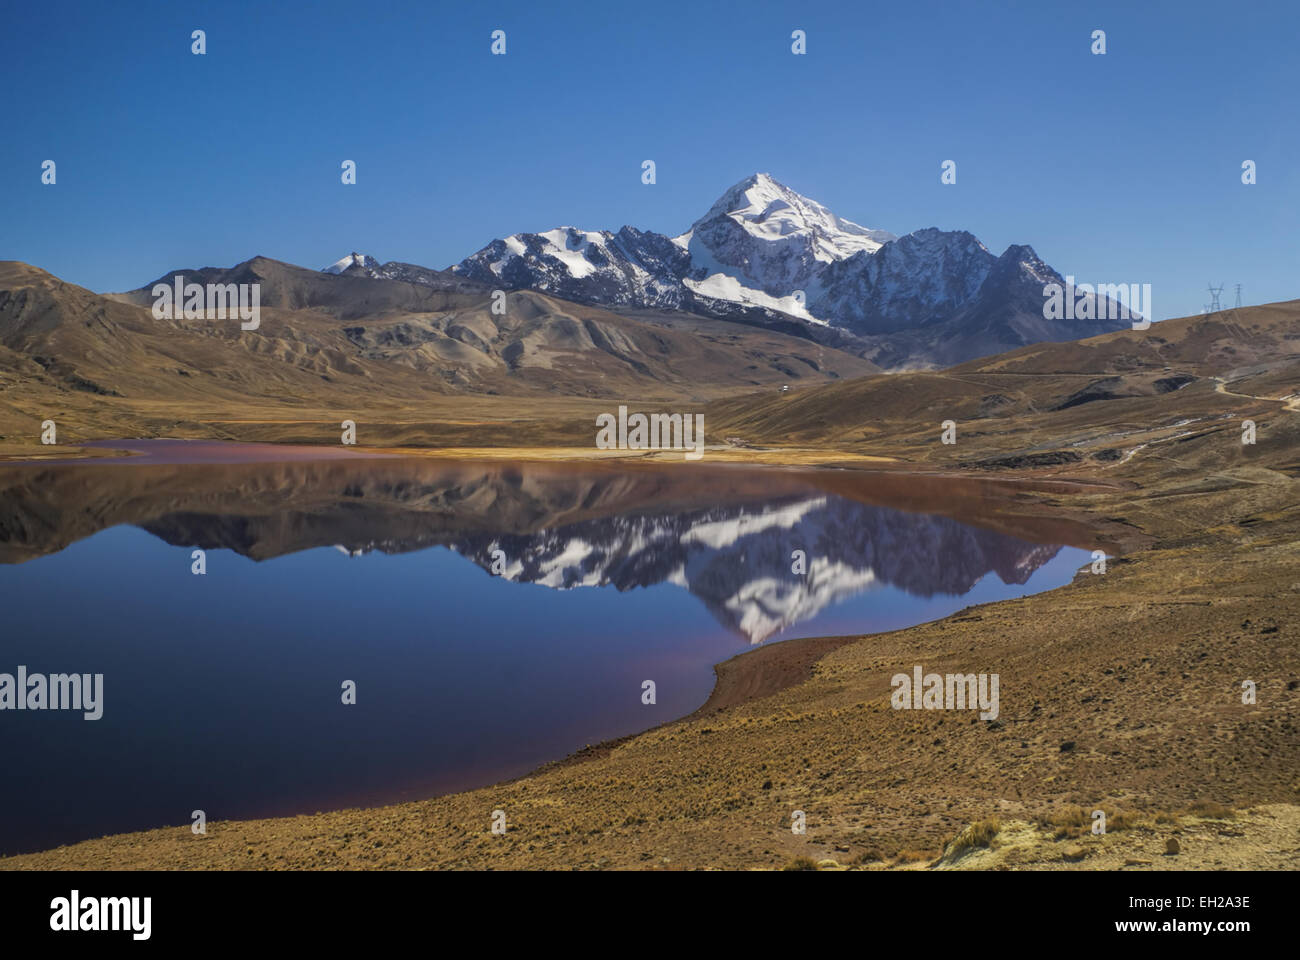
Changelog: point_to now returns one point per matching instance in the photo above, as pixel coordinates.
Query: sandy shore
(724, 454)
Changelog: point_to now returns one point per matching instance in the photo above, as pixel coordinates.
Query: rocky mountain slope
(356, 343)
(930, 298)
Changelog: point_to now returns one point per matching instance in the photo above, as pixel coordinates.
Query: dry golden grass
(1139, 668)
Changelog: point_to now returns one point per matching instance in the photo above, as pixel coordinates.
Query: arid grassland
(1121, 691)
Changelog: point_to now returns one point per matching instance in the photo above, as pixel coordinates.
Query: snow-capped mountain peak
(353, 259)
(758, 245)
(761, 241)
(771, 212)
(764, 253)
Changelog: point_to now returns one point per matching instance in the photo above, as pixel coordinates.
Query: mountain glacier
(764, 253)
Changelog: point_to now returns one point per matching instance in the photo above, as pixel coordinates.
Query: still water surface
(222, 692)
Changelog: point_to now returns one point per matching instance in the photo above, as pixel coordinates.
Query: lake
(491, 616)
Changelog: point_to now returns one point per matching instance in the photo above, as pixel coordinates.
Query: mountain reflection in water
(222, 691)
(728, 536)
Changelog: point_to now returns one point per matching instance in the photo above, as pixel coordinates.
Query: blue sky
(1123, 168)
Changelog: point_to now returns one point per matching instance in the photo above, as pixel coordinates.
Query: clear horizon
(1122, 168)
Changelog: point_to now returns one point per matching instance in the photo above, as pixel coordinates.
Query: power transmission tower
(1231, 318)
(1214, 297)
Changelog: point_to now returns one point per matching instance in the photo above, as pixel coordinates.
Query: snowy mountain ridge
(764, 254)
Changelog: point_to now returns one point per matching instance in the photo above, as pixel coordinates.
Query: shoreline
(783, 723)
(120, 449)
